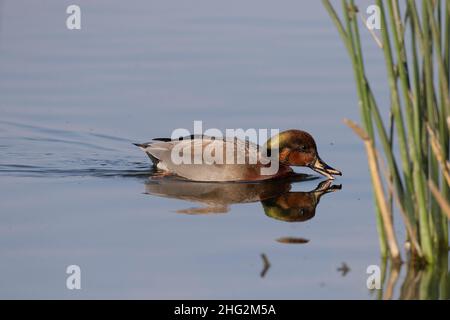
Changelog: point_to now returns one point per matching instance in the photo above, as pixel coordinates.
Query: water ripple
(35, 171)
(35, 151)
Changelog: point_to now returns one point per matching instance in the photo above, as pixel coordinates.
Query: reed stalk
(385, 211)
(445, 206)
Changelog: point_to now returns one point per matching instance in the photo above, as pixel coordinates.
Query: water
(74, 190)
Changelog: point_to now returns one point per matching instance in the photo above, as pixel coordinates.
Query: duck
(295, 148)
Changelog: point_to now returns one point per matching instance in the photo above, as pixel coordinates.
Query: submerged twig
(391, 281)
(266, 265)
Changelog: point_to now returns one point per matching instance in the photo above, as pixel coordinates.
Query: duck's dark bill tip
(321, 167)
(335, 187)
(331, 170)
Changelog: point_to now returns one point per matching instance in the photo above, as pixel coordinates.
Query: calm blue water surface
(73, 189)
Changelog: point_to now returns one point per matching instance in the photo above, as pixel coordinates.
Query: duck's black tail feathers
(152, 158)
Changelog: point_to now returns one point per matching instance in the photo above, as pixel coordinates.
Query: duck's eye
(302, 148)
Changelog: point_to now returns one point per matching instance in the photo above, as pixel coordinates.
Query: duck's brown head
(298, 148)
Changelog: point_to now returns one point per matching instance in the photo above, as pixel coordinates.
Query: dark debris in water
(292, 240)
(344, 269)
(266, 265)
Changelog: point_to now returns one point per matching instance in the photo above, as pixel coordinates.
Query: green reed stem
(398, 117)
(432, 114)
(358, 67)
(395, 100)
(444, 107)
(402, 67)
(447, 40)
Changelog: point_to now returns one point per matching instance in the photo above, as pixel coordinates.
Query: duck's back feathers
(245, 164)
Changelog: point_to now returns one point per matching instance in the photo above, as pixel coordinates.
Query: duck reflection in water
(276, 198)
(297, 206)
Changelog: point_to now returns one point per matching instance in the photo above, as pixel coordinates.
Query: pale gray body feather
(160, 152)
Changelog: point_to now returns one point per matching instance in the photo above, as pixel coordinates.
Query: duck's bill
(327, 187)
(324, 169)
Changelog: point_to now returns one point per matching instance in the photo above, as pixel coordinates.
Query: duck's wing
(226, 159)
(159, 147)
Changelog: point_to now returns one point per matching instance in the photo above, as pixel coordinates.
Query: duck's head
(298, 148)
